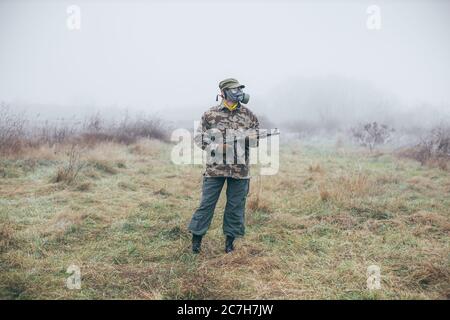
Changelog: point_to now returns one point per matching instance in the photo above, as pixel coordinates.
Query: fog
(299, 60)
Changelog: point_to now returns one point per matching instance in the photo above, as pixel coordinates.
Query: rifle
(243, 136)
(259, 135)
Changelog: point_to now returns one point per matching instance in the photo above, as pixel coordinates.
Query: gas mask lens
(236, 90)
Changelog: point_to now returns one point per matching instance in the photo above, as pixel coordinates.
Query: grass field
(312, 230)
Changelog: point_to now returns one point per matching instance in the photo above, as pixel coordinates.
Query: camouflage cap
(230, 83)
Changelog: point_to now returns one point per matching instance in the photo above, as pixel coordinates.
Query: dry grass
(6, 235)
(146, 147)
(62, 223)
(316, 168)
(258, 204)
(312, 230)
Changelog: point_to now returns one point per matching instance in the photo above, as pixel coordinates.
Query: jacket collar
(223, 106)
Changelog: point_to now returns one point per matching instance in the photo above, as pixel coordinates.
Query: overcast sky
(170, 55)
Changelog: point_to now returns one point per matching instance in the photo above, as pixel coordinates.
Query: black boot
(229, 244)
(196, 243)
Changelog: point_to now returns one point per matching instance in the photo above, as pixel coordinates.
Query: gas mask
(236, 95)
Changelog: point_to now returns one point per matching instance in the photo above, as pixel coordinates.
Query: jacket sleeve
(201, 139)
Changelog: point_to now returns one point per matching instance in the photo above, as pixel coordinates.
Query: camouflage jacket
(214, 129)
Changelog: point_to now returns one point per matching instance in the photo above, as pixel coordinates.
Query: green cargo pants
(234, 215)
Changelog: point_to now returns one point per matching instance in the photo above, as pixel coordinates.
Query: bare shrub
(437, 143)
(12, 131)
(127, 131)
(95, 130)
(16, 132)
(372, 134)
(69, 172)
(433, 149)
(52, 133)
(93, 123)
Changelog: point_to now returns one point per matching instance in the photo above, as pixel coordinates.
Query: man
(225, 163)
